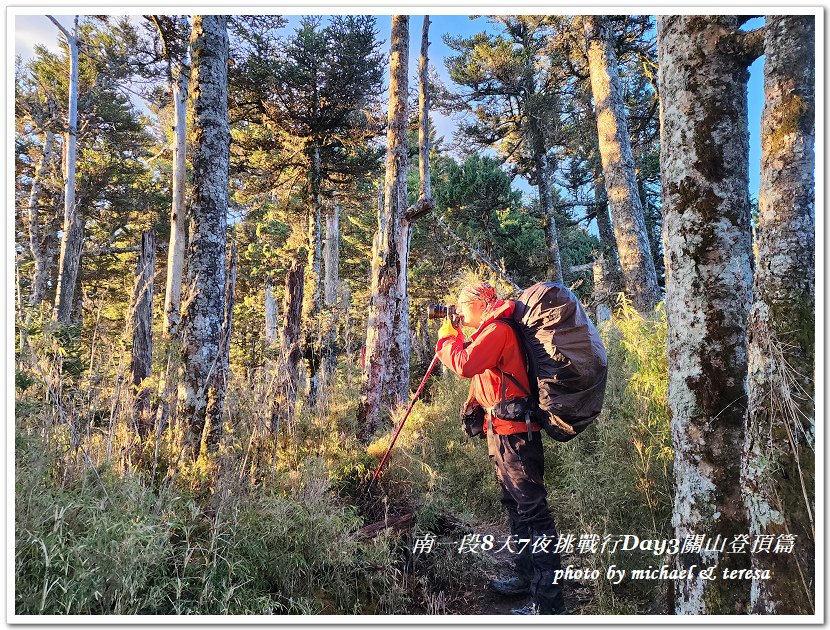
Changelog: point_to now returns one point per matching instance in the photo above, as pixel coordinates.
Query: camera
(440, 311)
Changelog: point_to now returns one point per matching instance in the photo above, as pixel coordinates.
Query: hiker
(494, 360)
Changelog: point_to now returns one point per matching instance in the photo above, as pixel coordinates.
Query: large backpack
(567, 364)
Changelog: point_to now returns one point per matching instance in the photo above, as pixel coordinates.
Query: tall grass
(616, 478)
(270, 523)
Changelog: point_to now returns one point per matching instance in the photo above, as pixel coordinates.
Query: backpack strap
(514, 381)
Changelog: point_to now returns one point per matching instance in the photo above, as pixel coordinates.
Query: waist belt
(511, 409)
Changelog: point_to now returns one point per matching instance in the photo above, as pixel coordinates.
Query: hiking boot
(514, 585)
(532, 609)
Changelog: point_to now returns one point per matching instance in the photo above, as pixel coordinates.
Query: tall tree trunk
(607, 240)
(331, 255)
(779, 458)
(401, 351)
(290, 343)
(141, 325)
(331, 282)
(36, 241)
(554, 257)
(618, 166)
(392, 240)
(312, 301)
(214, 426)
(602, 289)
(206, 251)
(708, 250)
(73, 229)
(271, 314)
(175, 253)
(424, 189)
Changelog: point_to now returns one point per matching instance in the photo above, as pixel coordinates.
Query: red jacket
(492, 347)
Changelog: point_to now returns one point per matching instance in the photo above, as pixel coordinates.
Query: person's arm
(479, 355)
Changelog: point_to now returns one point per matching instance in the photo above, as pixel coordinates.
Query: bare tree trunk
(708, 250)
(214, 427)
(271, 313)
(554, 270)
(202, 315)
(618, 167)
(331, 255)
(290, 343)
(36, 243)
(175, 253)
(401, 351)
(392, 239)
(424, 190)
(779, 458)
(607, 240)
(73, 229)
(312, 302)
(141, 318)
(602, 289)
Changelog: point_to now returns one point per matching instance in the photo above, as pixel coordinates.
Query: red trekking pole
(405, 416)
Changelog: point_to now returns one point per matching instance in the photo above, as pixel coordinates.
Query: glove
(447, 329)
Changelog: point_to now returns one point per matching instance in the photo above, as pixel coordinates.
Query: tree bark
(389, 265)
(312, 302)
(206, 251)
(618, 167)
(602, 289)
(708, 252)
(554, 270)
(331, 282)
(290, 343)
(607, 240)
(779, 457)
(331, 255)
(401, 351)
(271, 314)
(36, 241)
(175, 253)
(424, 189)
(73, 229)
(214, 427)
(141, 325)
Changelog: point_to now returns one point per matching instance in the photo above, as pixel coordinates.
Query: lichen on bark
(708, 254)
(778, 464)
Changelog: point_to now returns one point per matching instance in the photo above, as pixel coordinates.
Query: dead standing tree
(202, 316)
(390, 247)
(291, 346)
(173, 31)
(141, 325)
(73, 228)
(397, 382)
(706, 223)
(779, 457)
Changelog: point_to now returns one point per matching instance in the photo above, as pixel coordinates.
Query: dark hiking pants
(520, 471)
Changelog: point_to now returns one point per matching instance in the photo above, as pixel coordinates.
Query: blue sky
(37, 29)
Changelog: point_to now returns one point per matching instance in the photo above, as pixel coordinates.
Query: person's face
(471, 309)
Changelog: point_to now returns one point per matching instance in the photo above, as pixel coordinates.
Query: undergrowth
(272, 524)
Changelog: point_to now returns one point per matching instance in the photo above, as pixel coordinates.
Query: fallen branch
(396, 522)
